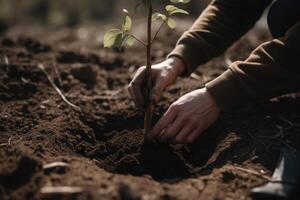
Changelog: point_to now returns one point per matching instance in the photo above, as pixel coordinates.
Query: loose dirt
(104, 145)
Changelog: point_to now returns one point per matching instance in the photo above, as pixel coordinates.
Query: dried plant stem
(42, 68)
(148, 103)
(249, 171)
(57, 72)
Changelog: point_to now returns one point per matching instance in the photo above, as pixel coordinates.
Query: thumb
(157, 90)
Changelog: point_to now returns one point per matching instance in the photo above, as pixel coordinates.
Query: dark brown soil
(104, 144)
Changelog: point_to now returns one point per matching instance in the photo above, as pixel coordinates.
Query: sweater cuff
(226, 91)
(193, 53)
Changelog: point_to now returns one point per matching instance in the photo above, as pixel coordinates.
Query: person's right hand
(163, 75)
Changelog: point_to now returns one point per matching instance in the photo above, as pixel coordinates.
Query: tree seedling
(119, 37)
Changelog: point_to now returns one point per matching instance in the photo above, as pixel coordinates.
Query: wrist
(177, 65)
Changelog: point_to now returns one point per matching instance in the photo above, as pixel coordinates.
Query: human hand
(186, 118)
(163, 75)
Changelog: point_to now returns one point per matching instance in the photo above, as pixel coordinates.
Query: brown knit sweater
(272, 69)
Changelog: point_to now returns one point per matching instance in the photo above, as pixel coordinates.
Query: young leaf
(157, 16)
(180, 1)
(126, 11)
(126, 26)
(173, 10)
(171, 23)
(129, 40)
(110, 37)
(119, 41)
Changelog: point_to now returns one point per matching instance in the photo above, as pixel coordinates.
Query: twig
(55, 165)
(249, 171)
(288, 122)
(9, 142)
(140, 41)
(60, 190)
(56, 72)
(158, 30)
(3, 144)
(257, 140)
(41, 66)
(6, 61)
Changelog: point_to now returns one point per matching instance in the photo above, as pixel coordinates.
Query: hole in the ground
(126, 152)
(121, 149)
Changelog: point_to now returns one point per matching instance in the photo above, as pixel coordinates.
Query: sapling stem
(148, 102)
(158, 30)
(138, 40)
(118, 37)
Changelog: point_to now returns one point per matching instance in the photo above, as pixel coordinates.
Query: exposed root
(77, 108)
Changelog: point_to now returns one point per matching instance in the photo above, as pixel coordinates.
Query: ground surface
(103, 145)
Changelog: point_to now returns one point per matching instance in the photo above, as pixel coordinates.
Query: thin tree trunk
(149, 104)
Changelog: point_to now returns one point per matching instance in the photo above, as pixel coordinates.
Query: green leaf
(157, 16)
(173, 10)
(171, 23)
(126, 26)
(119, 41)
(180, 1)
(129, 40)
(110, 37)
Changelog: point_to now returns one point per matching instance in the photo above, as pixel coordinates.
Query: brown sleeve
(220, 25)
(271, 70)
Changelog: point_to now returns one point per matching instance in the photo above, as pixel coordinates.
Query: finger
(139, 98)
(183, 134)
(131, 92)
(136, 85)
(171, 131)
(194, 135)
(159, 86)
(163, 123)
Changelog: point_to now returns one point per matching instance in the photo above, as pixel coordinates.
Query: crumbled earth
(103, 144)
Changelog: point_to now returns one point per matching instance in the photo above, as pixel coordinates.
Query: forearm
(271, 70)
(220, 25)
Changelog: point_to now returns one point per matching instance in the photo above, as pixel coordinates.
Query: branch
(41, 66)
(158, 30)
(138, 40)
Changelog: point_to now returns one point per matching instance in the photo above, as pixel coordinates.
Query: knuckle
(175, 107)
(193, 122)
(178, 140)
(189, 140)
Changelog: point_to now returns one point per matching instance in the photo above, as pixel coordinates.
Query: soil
(103, 145)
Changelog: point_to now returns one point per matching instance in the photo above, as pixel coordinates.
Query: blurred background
(58, 13)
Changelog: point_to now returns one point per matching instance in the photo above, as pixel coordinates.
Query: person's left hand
(186, 118)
